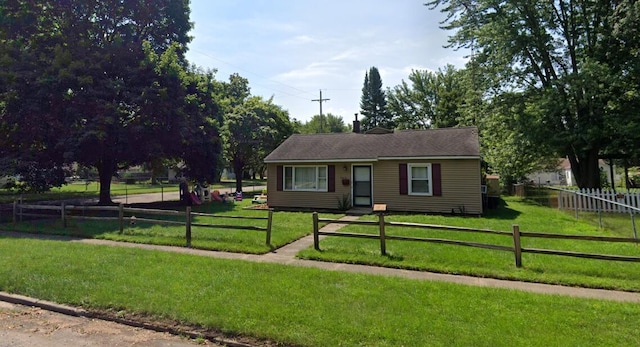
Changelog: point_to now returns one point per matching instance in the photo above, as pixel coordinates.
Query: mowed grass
(286, 227)
(304, 306)
(492, 263)
(89, 189)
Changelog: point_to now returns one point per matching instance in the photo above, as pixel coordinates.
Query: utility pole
(320, 101)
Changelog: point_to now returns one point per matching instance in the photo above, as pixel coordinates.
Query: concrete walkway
(286, 255)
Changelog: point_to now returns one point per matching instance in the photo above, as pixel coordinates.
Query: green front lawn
(286, 227)
(491, 263)
(90, 189)
(304, 306)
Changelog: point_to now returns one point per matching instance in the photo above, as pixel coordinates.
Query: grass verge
(303, 306)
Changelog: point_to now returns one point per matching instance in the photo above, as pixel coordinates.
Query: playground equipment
(194, 198)
(259, 199)
(216, 196)
(205, 193)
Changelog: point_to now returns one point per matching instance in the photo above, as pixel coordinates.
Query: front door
(362, 186)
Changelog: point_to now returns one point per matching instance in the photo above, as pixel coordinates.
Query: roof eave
(368, 160)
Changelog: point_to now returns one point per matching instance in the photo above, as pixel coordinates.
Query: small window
(305, 178)
(420, 182)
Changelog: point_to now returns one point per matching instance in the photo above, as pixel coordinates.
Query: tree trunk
(106, 169)
(238, 168)
(585, 169)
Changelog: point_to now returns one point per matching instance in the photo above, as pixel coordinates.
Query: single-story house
(429, 171)
(562, 175)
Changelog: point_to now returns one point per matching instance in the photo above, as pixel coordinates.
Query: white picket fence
(594, 200)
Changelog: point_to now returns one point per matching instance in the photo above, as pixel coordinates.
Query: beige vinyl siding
(306, 200)
(460, 188)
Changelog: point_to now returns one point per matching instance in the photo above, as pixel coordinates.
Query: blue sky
(291, 49)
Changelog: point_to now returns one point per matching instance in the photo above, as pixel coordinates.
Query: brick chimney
(356, 125)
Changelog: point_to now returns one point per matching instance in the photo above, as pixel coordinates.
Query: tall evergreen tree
(373, 103)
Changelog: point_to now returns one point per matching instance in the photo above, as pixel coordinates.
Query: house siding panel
(308, 200)
(460, 184)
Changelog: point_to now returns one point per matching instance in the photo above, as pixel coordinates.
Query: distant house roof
(431, 143)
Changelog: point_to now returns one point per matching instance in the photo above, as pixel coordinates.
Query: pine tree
(373, 103)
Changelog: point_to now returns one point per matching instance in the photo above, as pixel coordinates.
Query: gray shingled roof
(444, 142)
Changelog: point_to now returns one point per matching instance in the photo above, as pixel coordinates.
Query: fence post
(63, 215)
(560, 205)
(316, 236)
(599, 207)
(188, 231)
(633, 224)
(121, 217)
(15, 211)
(161, 192)
(517, 249)
(575, 203)
(269, 223)
(383, 241)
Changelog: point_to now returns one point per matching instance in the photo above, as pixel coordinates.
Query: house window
(420, 182)
(305, 178)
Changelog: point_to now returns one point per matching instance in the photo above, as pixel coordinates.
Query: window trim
(410, 178)
(293, 178)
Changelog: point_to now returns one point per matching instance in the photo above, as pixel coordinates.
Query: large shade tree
(572, 54)
(429, 99)
(328, 123)
(252, 130)
(101, 83)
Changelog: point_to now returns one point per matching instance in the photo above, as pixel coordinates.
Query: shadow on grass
(502, 212)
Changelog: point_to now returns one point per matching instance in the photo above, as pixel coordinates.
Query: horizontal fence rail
(516, 235)
(126, 216)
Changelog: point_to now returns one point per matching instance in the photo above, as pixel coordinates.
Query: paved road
(173, 195)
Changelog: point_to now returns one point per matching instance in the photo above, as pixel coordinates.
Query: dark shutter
(331, 178)
(404, 184)
(437, 179)
(279, 178)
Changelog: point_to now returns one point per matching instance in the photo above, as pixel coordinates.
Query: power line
(320, 101)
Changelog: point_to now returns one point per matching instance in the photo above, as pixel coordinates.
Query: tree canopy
(577, 58)
(430, 100)
(101, 83)
(251, 130)
(330, 124)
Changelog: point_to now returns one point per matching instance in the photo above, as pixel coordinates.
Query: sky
(292, 49)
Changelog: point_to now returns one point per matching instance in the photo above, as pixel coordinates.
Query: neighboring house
(562, 175)
(430, 171)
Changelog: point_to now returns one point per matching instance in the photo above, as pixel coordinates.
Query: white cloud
(292, 48)
(299, 40)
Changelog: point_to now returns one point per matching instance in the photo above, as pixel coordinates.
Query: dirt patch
(22, 326)
(177, 328)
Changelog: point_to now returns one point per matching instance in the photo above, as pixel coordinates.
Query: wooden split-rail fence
(515, 234)
(126, 217)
